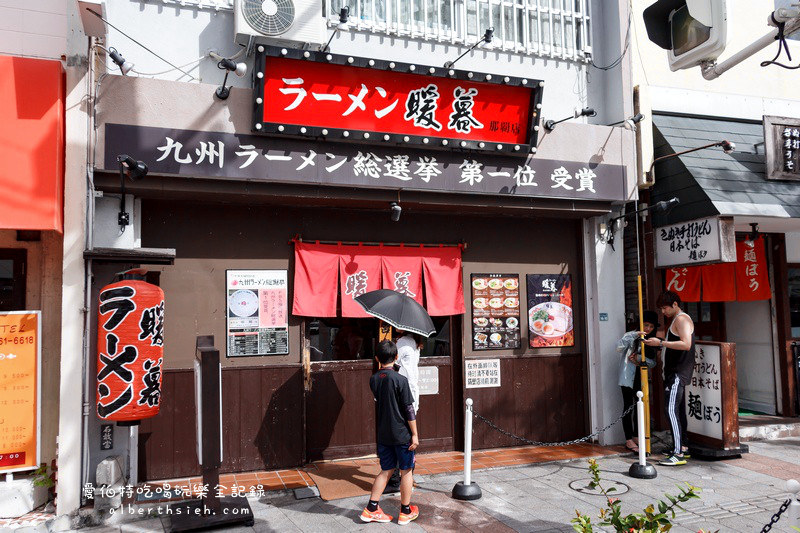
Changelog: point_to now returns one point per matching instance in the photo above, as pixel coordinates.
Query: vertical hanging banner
(360, 272)
(20, 411)
(495, 311)
(683, 281)
(402, 271)
(315, 267)
(444, 289)
(550, 310)
(130, 350)
(258, 315)
(752, 276)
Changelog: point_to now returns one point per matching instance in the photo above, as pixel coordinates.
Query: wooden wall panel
(540, 398)
(262, 423)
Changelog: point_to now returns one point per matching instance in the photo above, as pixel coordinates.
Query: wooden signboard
(20, 366)
(712, 401)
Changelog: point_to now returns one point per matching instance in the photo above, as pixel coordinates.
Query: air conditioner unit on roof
(290, 22)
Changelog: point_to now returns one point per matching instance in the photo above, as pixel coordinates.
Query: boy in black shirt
(396, 435)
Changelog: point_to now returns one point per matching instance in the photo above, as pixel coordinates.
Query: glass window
(794, 302)
(350, 339)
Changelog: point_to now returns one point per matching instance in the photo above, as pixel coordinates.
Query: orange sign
(19, 390)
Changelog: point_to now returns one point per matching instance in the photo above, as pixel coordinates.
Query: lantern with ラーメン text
(130, 350)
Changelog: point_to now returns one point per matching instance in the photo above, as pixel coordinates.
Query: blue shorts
(395, 456)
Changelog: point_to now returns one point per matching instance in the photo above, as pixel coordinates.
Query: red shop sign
(341, 97)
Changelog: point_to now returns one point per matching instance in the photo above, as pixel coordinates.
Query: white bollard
(793, 511)
(640, 469)
(467, 490)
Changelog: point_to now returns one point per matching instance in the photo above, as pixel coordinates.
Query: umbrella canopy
(398, 310)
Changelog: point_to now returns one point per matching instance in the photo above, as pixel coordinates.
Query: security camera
(395, 211)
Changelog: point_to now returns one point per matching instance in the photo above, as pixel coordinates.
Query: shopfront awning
(325, 272)
(710, 182)
(31, 144)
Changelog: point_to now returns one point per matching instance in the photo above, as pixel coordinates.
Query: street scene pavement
(738, 495)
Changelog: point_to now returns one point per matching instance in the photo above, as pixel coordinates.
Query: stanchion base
(645, 471)
(467, 492)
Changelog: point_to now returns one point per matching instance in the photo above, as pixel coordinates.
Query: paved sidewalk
(739, 495)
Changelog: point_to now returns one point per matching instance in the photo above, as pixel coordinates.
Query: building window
(794, 302)
(348, 339)
(12, 279)
(551, 28)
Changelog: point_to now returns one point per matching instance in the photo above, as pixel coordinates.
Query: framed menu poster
(495, 311)
(257, 318)
(550, 310)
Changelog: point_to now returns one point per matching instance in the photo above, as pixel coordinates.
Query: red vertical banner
(402, 271)
(359, 272)
(752, 277)
(685, 282)
(315, 267)
(444, 288)
(718, 282)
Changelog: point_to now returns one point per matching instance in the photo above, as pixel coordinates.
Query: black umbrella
(398, 310)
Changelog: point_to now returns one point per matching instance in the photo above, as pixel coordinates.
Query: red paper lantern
(130, 349)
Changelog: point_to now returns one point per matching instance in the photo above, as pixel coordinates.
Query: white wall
(33, 29)
(183, 35)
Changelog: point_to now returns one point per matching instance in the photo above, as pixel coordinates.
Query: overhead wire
(618, 61)
(782, 45)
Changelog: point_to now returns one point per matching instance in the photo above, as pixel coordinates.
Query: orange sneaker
(404, 518)
(377, 516)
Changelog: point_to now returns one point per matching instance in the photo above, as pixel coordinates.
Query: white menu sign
(704, 394)
(257, 317)
(481, 373)
(428, 380)
(705, 240)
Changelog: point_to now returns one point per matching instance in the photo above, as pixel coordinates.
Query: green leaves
(648, 521)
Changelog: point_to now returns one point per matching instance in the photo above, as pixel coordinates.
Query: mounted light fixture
(344, 16)
(487, 38)
(664, 206)
(753, 235)
(630, 123)
(394, 211)
(550, 125)
(116, 57)
(727, 147)
(133, 170)
(228, 65)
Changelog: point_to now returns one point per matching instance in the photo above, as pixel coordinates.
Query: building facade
(751, 192)
(325, 173)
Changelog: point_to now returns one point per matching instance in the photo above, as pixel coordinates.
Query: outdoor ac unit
(289, 22)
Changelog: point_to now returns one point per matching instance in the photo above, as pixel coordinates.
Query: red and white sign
(752, 278)
(403, 273)
(685, 282)
(328, 95)
(360, 272)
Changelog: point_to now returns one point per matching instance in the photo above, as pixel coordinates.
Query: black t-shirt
(678, 362)
(393, 395)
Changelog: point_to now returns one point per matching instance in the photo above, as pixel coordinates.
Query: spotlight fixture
(550, 125)
(630, 123)
(133, 170)
(344, 15)
(487, 38)
(395, 211)
(116, 57)
(240, 69)
(753, 235)
(664, 206)
(727, 147)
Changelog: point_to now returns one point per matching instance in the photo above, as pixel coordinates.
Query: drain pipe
(467, 490)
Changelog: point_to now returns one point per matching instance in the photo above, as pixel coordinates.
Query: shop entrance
(340, 409)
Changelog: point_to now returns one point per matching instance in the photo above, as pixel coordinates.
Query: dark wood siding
(262, 425)
(541, 399)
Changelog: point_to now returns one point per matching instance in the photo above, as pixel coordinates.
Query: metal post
(793, 512)
(467, 490)
(641, 470)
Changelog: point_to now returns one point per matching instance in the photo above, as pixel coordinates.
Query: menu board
(495, 311)
(550, 310)
(20, 352)
(257, 318)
